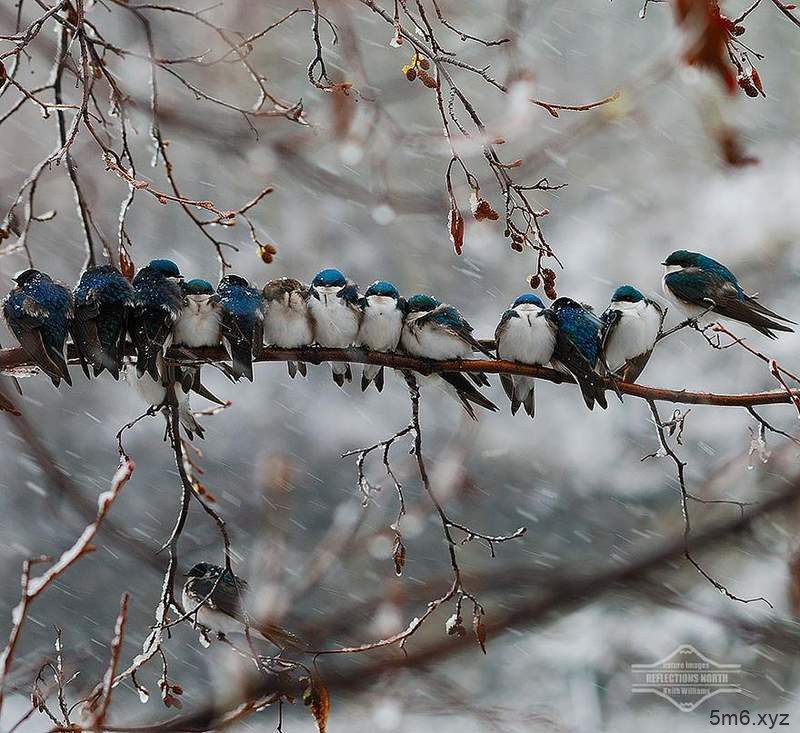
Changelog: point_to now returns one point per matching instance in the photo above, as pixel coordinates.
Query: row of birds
(159, 309)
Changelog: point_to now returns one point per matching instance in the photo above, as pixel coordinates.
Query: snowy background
(644, 179)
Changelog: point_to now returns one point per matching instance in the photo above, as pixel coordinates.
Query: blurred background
(361, 187)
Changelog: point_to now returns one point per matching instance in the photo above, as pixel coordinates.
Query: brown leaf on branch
(481, 208)
(126, 266)
(455, 223)
(317, 699)
(480, 629)
(399, 555)
(710, 32)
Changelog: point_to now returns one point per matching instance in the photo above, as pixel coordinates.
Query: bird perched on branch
(701, 286)
(435, 330)
(103, 299)
(333, 304)
(215, 598)
(37, 311)
(631, 325)
(578, 348)
(287, 323)
(155, 392)
(526, 334)
(157, 305)
(200, 320)
(242, 323)
(381, 326)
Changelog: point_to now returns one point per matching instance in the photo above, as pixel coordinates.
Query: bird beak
(312, 293)
(664, 263)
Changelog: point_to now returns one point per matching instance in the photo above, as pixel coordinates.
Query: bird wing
(503, 325)
(578, 365)
(609, 320)
(707, 289)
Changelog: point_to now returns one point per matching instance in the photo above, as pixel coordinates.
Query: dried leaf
(455, 223)
(399, 555)
(454, 626)
(481, 208)
(316, 697)
(126, 266)
(710, 33)
(480, 629)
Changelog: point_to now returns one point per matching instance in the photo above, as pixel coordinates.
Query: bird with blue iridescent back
(577, 348)
(526, 334)
(103, 299)
(287, 323)
(381, 326)
(335, 310)
(242, 323)
(157, 306)
(37, 312)
(435, 330)
(631, 326)
(702, 287)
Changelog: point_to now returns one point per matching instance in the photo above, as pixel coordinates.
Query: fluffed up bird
(157, 305)
(434, 330)
(335, 315)
(103, 299)
(631, 325)
(38, 311)
(216, 599)
(200, 320)
(526, 334)
(578, 348)
(381, 326)
(699, 285)
(287, 323)
(242, 323)
(154, 392)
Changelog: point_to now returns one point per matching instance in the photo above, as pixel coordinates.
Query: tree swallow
(37, 311)
(103, 299)
(444, 336)
(335, 316)
(698, 284)
(157, 305)
(526, 334)
(381, 325)
(154, 393)
(215, 599)
(631, 325)
(287, 323)
(242, 323)
(578, 348)
(199, 322)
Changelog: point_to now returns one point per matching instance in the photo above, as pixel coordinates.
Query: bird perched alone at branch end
(701, 286)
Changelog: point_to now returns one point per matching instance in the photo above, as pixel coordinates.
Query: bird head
(565, 304)
(167, 268)
(236, 281)
(383, 289)
(626, 294)
(26, 276)
(329, 278)
(204, 569)
(198, 287)
(528, 299)
(421, 303)
(681, 258)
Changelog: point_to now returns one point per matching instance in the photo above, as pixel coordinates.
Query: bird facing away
(102, 299)
(216, 598)
(381, 325)
(578, 348)
(242, 323)
(335, 316)
(415, 339)
(157, 305)
(199, 322)
(700, 285)
(526, 334)
(287, 323)
(37, 312)
(631, 325)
